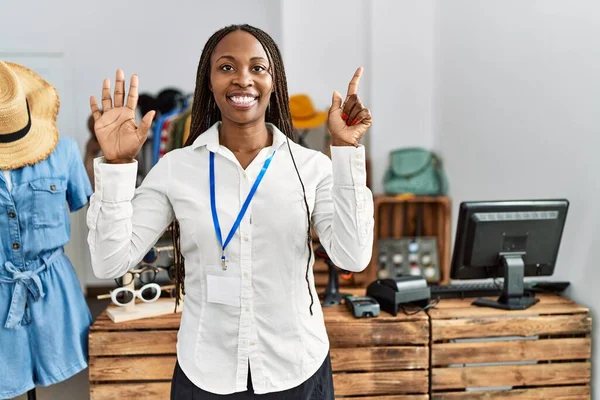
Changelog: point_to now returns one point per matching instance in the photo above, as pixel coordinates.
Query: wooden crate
(549, 358)
(436, 222)
(381, 358)
(132, 360)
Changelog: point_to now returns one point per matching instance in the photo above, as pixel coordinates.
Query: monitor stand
(512, 297)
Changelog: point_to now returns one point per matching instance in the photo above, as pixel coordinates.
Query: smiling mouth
(242, 102)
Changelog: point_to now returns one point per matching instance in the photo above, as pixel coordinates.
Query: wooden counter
(476, 353)
(383, 358)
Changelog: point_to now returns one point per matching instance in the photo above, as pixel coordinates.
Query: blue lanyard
(213, 204)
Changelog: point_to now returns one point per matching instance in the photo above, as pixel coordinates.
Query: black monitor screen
(488, 230)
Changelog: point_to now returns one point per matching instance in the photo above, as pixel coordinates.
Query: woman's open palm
(118, 134)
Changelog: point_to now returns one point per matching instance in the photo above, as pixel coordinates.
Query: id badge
(223, 290)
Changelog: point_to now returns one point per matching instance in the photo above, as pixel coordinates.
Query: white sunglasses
(125, 296)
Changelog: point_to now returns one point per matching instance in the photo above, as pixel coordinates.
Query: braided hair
(205, 114)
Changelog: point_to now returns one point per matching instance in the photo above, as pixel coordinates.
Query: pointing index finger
(353, 86)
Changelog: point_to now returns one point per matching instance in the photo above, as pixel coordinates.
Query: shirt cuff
(349, 168)
(115, 182)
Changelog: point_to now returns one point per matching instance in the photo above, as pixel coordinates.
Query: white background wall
(480, 81)
(517, 87)
(320, 56)
(325, 41)
(402, 61)
(322, 47)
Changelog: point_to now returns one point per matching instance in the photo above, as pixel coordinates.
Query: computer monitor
(509, 239)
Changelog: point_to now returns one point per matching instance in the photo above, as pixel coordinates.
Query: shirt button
(16, 246)
(253, 343)
(52, 187)
(245, 275)
(12, 215)
(245, 238)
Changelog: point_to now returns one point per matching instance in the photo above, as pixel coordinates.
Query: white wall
(517, 87)
(325, 41)
(323, 44)
(162, 43)
(401, 58)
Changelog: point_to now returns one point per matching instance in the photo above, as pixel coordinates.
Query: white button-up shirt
(272, 329)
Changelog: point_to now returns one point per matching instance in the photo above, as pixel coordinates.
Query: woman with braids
(241, 196)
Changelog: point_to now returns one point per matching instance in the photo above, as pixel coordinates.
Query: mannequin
(44, 319)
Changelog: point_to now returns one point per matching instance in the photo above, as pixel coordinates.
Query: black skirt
(317, 387)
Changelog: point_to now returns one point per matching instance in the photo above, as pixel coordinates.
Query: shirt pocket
(49, 201)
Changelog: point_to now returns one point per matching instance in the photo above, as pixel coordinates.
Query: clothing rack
(171, 128)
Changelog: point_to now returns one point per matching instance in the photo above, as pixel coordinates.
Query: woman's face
(240, 78)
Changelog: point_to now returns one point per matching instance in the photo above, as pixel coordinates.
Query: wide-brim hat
(304, 113)
(28, 110)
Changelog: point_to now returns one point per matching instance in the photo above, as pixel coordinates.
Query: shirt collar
(210, 138)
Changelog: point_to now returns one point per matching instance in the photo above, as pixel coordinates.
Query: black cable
(309, 236)
(416, 309)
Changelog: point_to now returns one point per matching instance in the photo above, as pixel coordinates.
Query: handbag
(417, 171)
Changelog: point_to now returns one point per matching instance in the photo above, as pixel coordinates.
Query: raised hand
(348, 122)
(116, 129)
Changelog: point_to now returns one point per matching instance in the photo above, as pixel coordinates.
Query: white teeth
(242, 100)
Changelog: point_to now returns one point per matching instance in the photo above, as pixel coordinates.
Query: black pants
(317, 387)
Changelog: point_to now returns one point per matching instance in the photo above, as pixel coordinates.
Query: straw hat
(28, 110)
(304, 113)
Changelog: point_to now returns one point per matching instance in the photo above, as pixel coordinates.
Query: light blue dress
(44, 318)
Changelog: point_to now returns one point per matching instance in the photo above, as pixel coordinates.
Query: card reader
(363, 306)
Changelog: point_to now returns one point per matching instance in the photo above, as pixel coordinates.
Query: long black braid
(205, 114)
